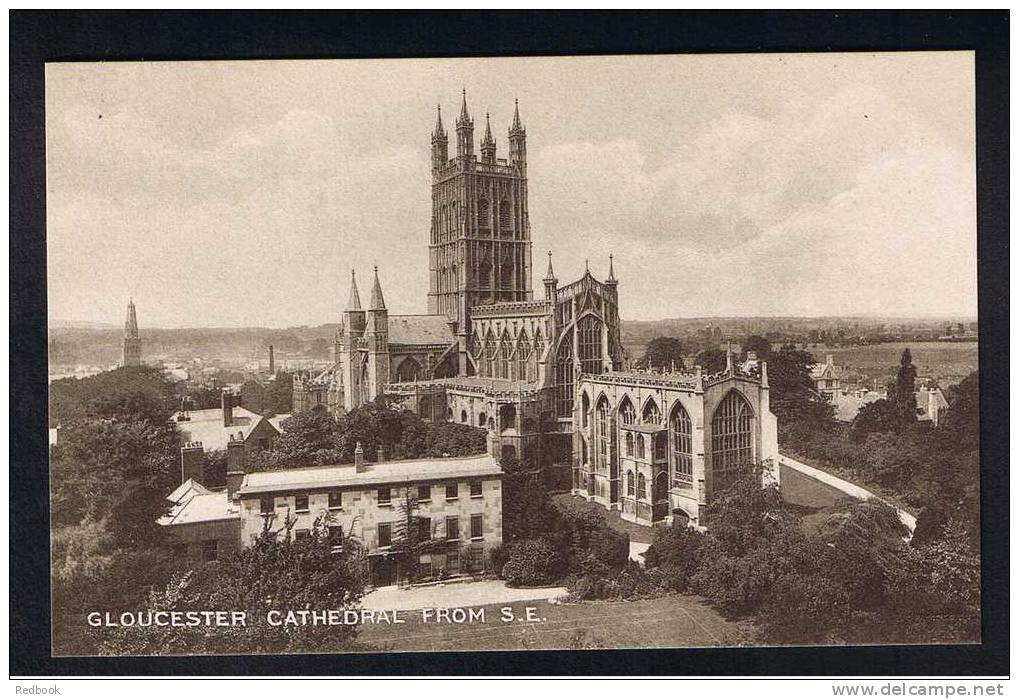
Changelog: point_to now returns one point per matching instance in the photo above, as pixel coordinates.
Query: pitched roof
(196, 503)
(346, 475)
(420, 330)
(206, 426)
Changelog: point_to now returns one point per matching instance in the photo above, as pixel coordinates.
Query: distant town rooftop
(346, 475)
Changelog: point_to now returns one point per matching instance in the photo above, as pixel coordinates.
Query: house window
(475, 489)
(210, 550)
(385, 496)
(477, 526)
(424, 493)
(476, 562)
(385, 535)
(452, 491)
(452, 528)
(453, 562)
(302, 534)
(301, 503)
(424, 528)
(335, 535)
(265, 506)
(335, 499)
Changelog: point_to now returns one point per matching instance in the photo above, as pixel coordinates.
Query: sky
(241, 193)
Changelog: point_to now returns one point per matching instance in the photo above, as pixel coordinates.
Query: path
(457, 594)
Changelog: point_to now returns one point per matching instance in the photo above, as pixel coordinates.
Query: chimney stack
(234, 465)
(192, 462)
(272, 361)
(359, 465)
(229, 401)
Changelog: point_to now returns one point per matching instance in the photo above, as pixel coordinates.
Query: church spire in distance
(131, 324)
(465, 117)
(488, 143)
(612, 272)
(354, 303)
(377, 303)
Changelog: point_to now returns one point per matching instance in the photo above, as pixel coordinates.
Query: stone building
(488, 353)
(657, 446)
(455, 504)
(132, 342)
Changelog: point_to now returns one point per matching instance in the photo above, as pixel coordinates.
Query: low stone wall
(844, 486)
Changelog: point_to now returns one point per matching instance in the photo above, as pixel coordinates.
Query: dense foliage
(127, 393)
(663, 353)
(547, 542)
(314, 437)
(278, 572)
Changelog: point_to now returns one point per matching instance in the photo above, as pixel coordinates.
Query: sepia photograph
(526, 353)
(487, 353)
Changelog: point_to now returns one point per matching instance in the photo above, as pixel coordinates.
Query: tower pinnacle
(377, 303)
(550, 275)
(465, 117)
(354, 304)
(517, 127)
(439, 131)
(612, 272)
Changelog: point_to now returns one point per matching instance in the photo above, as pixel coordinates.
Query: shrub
(676, 553)
(531, 562)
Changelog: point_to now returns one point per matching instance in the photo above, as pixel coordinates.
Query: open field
(946, 361)
(678, 621)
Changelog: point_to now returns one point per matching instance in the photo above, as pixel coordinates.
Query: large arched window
(681, 440)
(731, 439)
(484, 216)
(585, 408)
(651, 415)
(602, 429)
(505, 352)
(504, 217)
(641, 487)
(627, 415)
(631, 487)
(564, 377)
(409, 370)
(484, 274)
(628, 441)
(589, 344)
(523, 354)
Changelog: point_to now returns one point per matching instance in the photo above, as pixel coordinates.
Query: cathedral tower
(132, 343)
(376, 337)
(480, 243)
(350, 359)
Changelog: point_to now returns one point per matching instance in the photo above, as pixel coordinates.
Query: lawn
(675, 621)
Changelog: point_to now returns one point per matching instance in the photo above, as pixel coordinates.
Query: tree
(277, 572)
(959, 427)
(116, 471)
(127, 393)
(307, 439)
(879, 417)
(711, 361)
(903, 396)
(793, 396)
(663, 353)
(758, 344)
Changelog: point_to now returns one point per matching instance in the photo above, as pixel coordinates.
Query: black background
(37, 37)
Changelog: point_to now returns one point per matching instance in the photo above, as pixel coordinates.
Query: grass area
(675, 621)
(950, 361)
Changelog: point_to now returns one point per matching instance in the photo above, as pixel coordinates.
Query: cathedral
(132, 355)
(544, 376)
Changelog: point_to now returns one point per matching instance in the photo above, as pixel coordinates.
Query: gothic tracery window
(483, 214)
(627, 415)
(589, 344)
(640, 446)
(652, 415)
(409, 370)
(504, 217)
(681, 439)
(731, 439)
(628, 440)
(631, 488)
(602, 428)
(641, 487)
(564, 377)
